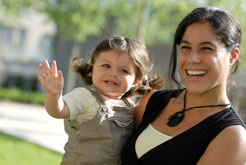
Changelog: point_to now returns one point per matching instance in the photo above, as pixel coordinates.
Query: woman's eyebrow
(207, 43)
(184, 41)
(202, 43)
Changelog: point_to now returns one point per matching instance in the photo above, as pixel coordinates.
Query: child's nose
(113, 72)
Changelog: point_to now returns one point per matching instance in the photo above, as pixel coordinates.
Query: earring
(233, 55)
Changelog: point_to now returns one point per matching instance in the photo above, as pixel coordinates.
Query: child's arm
(53, 82)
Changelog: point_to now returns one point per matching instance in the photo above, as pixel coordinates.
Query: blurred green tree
(149, 21)
(152, 22)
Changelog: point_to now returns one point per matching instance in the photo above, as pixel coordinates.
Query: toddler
(99, 120)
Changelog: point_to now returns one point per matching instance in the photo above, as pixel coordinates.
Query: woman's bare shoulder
(140, 108)
(229, 147)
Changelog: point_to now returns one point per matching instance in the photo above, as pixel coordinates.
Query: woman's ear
(234, 56)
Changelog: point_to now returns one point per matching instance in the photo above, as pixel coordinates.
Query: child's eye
(124, 71)
(106, 65)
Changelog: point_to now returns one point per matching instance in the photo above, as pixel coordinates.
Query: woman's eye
(184, 47)
(207, 48)
(106, 65)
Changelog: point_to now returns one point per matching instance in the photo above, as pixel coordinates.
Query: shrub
(18, 95)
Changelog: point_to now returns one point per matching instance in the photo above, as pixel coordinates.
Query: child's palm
(53, 84)
(50, 79)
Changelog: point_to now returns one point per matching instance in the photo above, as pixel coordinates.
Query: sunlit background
(32, 31)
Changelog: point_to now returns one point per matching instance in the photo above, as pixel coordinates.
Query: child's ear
(234, 56)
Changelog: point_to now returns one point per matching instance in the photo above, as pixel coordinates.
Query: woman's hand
(50, 79)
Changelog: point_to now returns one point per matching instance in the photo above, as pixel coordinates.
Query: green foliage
(18, 95)
(77, 19)
(15, 7)
(18, 152)
(162, 18)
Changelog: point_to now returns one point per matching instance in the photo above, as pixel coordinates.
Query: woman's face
(203, 61)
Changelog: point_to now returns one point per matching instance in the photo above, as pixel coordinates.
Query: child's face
(113, 73)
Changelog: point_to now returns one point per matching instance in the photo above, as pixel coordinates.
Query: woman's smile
(195, 74)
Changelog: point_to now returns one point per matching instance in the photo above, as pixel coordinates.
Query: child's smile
(113, 73)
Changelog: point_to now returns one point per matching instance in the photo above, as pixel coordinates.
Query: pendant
(175, 119)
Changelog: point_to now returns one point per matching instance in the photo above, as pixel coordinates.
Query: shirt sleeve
(78, 101)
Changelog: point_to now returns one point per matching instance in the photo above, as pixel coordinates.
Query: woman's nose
(194, 57)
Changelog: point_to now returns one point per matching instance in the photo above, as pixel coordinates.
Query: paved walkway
(32, 123)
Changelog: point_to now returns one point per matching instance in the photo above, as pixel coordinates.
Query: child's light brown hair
(136, 50)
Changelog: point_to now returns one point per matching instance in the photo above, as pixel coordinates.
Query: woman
(196, 124)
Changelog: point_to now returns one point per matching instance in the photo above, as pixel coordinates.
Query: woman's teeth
(195, 73)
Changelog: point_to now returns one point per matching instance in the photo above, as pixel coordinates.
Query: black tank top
(185, 148)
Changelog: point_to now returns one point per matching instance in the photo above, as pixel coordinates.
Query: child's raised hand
(51, 79)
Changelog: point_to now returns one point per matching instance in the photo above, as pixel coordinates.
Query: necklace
(177, 117)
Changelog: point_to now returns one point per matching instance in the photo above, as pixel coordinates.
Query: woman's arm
(228, 148)
(140, 108)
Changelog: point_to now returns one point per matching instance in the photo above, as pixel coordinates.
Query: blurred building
(24, 42)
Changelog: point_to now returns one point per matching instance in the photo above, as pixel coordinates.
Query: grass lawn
(14, 151)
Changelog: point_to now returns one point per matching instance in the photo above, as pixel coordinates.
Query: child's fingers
(60, 76)
(47, 67)
(40, 78)
(41, 68)
(54, 68)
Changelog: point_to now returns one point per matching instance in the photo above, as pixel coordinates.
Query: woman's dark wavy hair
(225, 26)
(134, 49)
